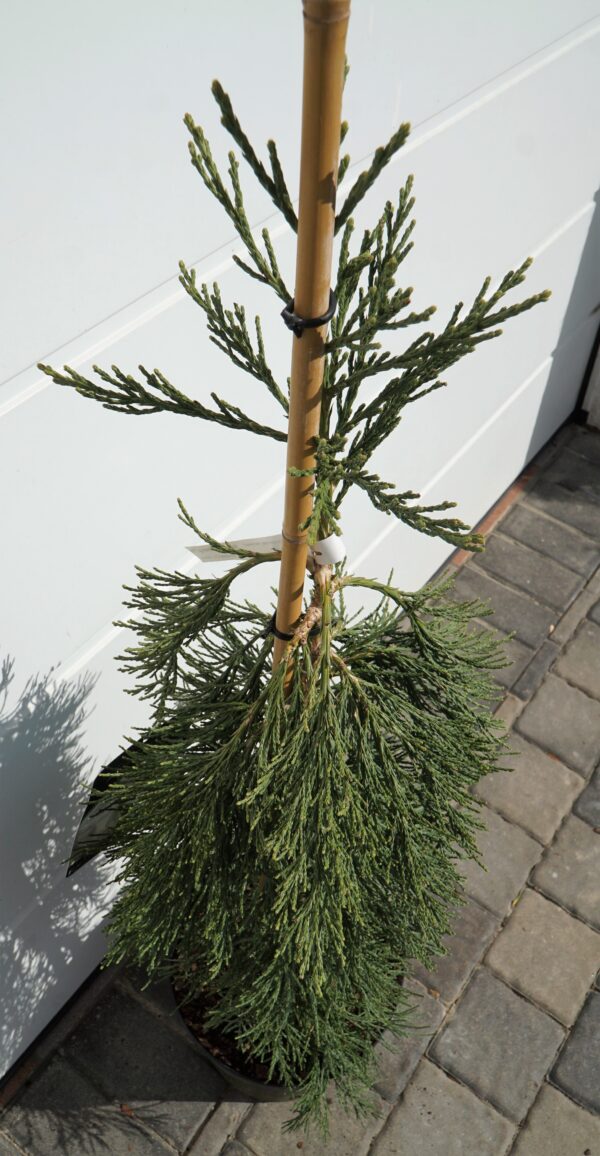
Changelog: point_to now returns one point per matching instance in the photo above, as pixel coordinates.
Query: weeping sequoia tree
(290, 822)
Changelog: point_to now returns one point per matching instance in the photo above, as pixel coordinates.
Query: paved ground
(510, 1059)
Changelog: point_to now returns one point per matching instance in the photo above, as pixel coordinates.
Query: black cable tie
(299, 324)
(271, 628)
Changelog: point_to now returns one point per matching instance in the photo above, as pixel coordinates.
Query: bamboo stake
(325, 26)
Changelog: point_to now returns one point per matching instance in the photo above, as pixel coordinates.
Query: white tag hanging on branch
(265, 545)
(329, 550)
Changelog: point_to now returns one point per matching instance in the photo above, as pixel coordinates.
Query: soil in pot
(239, 1067)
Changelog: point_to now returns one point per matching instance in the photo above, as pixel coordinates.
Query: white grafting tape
(329, 550)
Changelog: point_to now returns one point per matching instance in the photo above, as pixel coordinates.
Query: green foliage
(274, 185)
(370, 304)
(170, 610)
(381, 157)
(292, 854)
(292, 849)
(126, 395)
(229, 332)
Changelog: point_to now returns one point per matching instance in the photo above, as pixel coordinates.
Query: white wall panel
(101, 203)
(98, 203)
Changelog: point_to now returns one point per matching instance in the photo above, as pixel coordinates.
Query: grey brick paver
(569, 547)
(396, 1064)
(586, 442)
(349, 1136)
(557, 1125)
(233, 1148)
(438, 1117)
(587, 806)
(580, 661)
(508, 854)
(579, 609)
(518, 657)
(538, 575)
(536, 793)
(473, 928)
(577, 1070)
(498, 1044)
(595, 613)
(575, 473)
(62, 1114)
(565, 721)
(579, 510)
(221, 1126)
(509, 710)
(547, 955)
(570, 870)
(136, 1059)
(514, 612)
(534, 673)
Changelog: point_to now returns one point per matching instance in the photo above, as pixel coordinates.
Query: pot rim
(256, 1089)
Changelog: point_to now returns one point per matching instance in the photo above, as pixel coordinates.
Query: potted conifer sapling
(289, 823)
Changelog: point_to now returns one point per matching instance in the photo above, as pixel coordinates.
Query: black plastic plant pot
(253, 1089)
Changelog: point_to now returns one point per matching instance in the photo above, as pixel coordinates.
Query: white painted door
(98, 203)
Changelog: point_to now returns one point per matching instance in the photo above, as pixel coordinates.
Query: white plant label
(257, 545)
(326, 552)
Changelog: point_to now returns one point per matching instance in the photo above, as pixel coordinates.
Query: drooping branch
(346, 472)
(404, 507)
(125, 394)
(170, 612)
